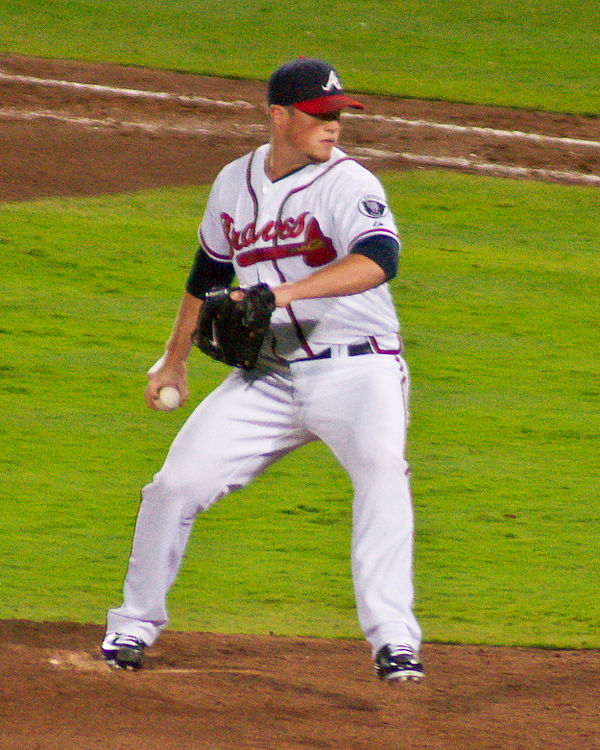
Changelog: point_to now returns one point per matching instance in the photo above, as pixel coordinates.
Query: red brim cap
(325, 104)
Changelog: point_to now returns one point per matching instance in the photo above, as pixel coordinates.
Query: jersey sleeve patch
(373, 206)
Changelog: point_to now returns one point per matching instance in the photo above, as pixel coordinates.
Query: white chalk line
(484, 167)
(475, 130)
(128, 93)
(240, 104)
(109, 123)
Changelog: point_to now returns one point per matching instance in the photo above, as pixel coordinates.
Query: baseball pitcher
(312, 335)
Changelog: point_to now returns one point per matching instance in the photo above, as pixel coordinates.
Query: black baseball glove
(233, 331)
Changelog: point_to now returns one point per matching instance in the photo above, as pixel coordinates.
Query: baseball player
(300, 216)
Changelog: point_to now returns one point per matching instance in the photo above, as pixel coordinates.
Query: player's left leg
(359, 407)
(238, 430)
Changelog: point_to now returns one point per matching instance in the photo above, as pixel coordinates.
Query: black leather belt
(354, 350)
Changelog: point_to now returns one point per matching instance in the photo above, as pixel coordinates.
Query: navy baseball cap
(310, 85)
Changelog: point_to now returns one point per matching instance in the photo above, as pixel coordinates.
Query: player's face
(312, 137)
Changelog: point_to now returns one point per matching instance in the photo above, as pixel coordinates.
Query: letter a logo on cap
(333, 82)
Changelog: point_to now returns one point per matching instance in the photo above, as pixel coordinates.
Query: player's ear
(279, 115)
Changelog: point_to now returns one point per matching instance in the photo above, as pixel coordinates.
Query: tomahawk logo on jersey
(273, 231)
(316, 249)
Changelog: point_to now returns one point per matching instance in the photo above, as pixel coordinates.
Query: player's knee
(188, 493)
(169, 490)
(378, 459)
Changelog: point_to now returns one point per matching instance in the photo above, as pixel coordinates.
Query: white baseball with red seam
(168, 398)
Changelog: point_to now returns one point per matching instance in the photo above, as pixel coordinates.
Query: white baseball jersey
(357, 405)
(282, 231)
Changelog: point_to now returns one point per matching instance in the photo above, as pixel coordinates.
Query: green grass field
(538, 54)
(497, 296)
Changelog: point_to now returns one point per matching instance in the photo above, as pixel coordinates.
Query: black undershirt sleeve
(206, 273)
(383, 250)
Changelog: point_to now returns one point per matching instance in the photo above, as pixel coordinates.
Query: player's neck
(279, 163)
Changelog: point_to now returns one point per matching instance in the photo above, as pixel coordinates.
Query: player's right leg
(359, 407)
(233, 435)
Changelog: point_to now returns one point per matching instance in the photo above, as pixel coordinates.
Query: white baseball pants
(358, 406)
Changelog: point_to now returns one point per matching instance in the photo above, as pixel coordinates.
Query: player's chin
(323, 152)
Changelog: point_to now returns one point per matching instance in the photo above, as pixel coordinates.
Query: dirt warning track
(74, 128)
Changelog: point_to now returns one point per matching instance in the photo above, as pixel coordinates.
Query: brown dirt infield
(208, 691)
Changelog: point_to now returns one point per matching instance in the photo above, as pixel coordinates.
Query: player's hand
(166, 371)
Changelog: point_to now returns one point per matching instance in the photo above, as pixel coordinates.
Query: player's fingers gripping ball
(233, 330)
(168, 398)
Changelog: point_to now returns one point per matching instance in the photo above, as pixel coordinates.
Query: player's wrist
(284, 294)
(175, 357)
(170, 361)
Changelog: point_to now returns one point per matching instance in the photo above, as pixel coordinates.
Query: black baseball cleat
(398, 664)
(123, 651)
